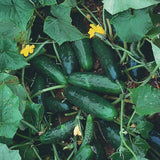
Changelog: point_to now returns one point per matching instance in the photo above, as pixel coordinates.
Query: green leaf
(6, 154)
(140, 146)
(34, 113)
(146, 98)
(115, 6)
(124, 155)
(132, 27)
(9, 56)
(59, 27)
(156, 53)
(9, 109)
(70, 3)
(143, 127)
(17, 11)
(47, 2)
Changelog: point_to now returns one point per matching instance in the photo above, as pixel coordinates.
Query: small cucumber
(58, 133)
(39, 84)
(91, 103)
(89, 131)
(55, 105)
(45, 66)
(95, 82)
(69, 61)
(84, 153)
(83, 51)
(106, 56)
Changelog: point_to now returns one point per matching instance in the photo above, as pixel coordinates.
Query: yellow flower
(76, 131)
(27, 49)
(95, 29)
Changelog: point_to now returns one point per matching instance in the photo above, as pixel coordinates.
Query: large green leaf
(132, 27)
(16, 11)
(115, 6)
(70, 3)
(47, 2)
(59, 27)
(9, 112)
(146, 98)
(7, 154)
(9, 56)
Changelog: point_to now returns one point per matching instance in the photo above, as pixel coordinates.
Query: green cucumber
(55, 105)
(84, 153)
(83, 51)
(111, 133)
(106, 56)
(69, 61)
(91, 103)
(39, 84)
(95, 82)
(89, 131)
(45, 66)
(58, 133)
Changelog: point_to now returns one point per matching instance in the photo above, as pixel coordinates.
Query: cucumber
(39, 84)
(89, 131)
(69, 61)
(83, 52)
(91, 103)
(95, 82)
(45, 66)
(106, 56)
(55, 105)
(58, 133)
(84, 153)
(111, 133)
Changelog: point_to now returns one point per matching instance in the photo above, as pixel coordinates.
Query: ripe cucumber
(58, 133)
(55, 105)
(95, 82)
(106, 56)
(84, 153)
(89, 131)
(45, 66)
(39, 84)
(69, 61)
(83, 52)
(91, 103)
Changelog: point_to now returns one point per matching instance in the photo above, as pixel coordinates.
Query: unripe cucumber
(91, 103)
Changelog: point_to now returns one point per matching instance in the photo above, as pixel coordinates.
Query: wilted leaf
(146, 98)
(132, 27)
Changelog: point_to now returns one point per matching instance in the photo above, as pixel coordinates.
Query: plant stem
(36, 52)
(29, 98)
(29, 125)
(69, 157)
(20, 145)
(25, 137)
(134, 67)
(121, 130)
(90, 12)
(109, 29)
(104, 21)
(79, 123)
(57, 54)
(130, 120)
(35, 151)
(85, 15)
(48, 89)
(124, 54)
(56, 156)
